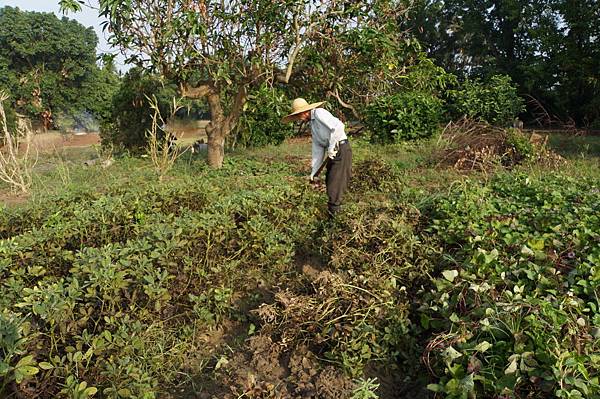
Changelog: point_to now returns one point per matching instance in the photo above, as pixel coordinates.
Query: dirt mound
(476, 145)
(268, 369)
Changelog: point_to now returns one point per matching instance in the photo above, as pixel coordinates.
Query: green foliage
(260, 123)
(553, 58)
(70, 5)
(173, 252)
(403, 116)
(372, 58)
(135, 289)
(410, 109)
(131, 115)
(49, 65)
(494, 101)
(516, 308)
(217, 49)
(366, 389)
(522, 145)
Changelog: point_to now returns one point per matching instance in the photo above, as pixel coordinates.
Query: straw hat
(299, 106)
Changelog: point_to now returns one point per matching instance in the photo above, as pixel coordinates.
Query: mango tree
(215, 49)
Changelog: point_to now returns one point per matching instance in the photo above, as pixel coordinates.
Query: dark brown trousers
(337, 178)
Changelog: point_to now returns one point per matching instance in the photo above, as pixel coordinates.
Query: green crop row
(514, 312)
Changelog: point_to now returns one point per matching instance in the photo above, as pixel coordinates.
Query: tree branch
(199, 91)
(237, 108)
(336, 95)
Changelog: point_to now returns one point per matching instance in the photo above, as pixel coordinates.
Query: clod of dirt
(312, 382)
(265, 357)
(333, 384)
(267, 369)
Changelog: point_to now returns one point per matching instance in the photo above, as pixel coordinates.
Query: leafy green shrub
(260, 124)
(403, 116)
(131, 115)
(181, 256)
(494, 101)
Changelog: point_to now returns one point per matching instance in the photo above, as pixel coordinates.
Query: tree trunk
(216, 148)
(220, 125)
(216, 131)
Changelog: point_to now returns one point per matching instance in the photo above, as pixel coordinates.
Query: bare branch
(200, 91)
(336, 95)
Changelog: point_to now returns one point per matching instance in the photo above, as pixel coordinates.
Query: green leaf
(4, 367)
(525, 250)
(483, 346)
(222, 362)
(450, 275)
(45, 366)
(536, 245)
(25, 361)
(467, 383)
(452, 353)
(435, 387)
(23, 372)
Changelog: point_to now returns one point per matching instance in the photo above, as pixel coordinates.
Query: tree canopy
(49, 66)
(550, 48)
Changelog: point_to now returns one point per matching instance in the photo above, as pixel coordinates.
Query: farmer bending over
(330, 147)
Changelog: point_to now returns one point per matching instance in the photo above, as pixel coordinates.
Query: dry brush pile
(473, 145)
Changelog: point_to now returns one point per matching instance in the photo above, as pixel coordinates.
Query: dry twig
(16, 162)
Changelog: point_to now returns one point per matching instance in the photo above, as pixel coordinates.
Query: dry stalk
(161, 149)
(16, 162)
(437, 344)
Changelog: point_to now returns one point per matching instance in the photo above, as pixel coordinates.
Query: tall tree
(214, 49)
(548, 47)
(576, 57)
(49, 65)
(218, 49)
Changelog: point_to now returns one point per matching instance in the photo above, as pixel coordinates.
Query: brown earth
(268, 369)
(50, 141)
(53, 140)
(9, 198)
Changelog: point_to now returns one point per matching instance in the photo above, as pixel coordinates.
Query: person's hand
(331, 154)
(314, 180)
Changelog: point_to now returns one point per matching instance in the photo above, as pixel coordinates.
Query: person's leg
(339, 171)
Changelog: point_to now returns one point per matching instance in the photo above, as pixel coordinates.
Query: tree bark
(220, 125)
(216, 131)
(216, 148)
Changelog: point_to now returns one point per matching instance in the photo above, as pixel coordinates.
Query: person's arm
(336, 135)
(318, 156)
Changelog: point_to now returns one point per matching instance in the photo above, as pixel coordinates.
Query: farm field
(232, 283)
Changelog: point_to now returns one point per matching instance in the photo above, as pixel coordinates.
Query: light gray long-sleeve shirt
(327, 130)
